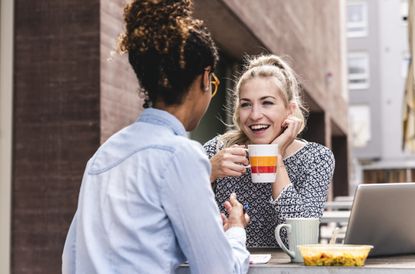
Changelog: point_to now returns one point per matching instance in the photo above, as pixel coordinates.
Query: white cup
(263, 159)
(300, 231)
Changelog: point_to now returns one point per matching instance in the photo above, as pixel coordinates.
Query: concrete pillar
(341, 175)
(6, 102)
(316, 128)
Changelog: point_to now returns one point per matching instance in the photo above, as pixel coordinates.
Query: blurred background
(64, 91)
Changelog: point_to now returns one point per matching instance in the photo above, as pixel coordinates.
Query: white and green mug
(300, 231)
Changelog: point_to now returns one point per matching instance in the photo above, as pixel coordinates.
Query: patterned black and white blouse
(310, 170)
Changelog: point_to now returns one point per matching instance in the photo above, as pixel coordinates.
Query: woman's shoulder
(212, 146)
(320, 153)
(212, 142)
(320, 149)
(312, 149)
(317, 146)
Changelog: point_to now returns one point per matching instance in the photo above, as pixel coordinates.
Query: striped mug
(263, 159)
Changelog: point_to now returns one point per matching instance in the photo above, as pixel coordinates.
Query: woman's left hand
(290, 129)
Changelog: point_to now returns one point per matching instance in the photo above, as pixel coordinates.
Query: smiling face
(262, 109)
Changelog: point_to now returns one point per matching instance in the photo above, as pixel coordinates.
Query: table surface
(280, 263)
(344, 199)
(335, 217)
(339, 205)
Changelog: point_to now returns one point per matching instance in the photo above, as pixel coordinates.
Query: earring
(143, 94)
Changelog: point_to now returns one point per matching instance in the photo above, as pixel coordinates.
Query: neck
(295, 146)
(189, 110)
(179, 111)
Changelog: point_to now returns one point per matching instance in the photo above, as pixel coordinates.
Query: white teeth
(259, 127)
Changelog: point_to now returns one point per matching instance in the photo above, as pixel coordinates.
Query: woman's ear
(206, 80)
(292, 107)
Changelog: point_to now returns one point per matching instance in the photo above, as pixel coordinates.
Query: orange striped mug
(263, 159)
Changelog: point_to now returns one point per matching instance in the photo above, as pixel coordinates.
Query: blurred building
(378, 60)
(64, 92)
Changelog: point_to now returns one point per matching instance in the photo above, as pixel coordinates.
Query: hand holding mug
(229, 161)
(263, 159)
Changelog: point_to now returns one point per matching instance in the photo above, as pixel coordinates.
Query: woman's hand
(229, 161)
(291, 127)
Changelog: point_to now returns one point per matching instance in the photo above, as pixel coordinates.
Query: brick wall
(71, 93)
(56, 124)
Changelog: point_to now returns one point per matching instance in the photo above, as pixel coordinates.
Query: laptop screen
(383, 215)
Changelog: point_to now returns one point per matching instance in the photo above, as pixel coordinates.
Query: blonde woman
(268, 109)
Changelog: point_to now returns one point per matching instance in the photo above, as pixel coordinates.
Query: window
(357, 19)
(358, 70)
(405, 63)
(359, 118)
(404, 11)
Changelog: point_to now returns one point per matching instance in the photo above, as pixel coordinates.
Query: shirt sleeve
(307, 198)
(69, 255)
(190, 205)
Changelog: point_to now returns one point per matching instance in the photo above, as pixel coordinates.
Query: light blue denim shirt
(146, 205)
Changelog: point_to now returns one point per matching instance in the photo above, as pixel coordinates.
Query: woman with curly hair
(146, 203)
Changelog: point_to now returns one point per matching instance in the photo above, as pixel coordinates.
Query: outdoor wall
(56, 124)
(119, 101)
(393, 36)
(371, 96)
(6, 100)
(382, 159)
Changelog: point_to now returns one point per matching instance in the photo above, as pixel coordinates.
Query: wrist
(240, 225)
(280, 166)
(213, 174)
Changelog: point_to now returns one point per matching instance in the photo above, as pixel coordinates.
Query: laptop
(383, 215)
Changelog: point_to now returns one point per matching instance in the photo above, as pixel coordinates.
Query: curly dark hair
(166, 46)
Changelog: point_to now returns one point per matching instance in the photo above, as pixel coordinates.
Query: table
(344, 199)
(335, 217)
(339, 205)
(280, 263)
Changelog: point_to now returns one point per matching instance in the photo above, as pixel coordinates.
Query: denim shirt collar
(162, 118)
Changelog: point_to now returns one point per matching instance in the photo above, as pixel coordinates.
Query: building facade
(378, 60)
(64, 92)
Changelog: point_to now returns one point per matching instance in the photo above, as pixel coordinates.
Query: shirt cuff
(236, 233)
